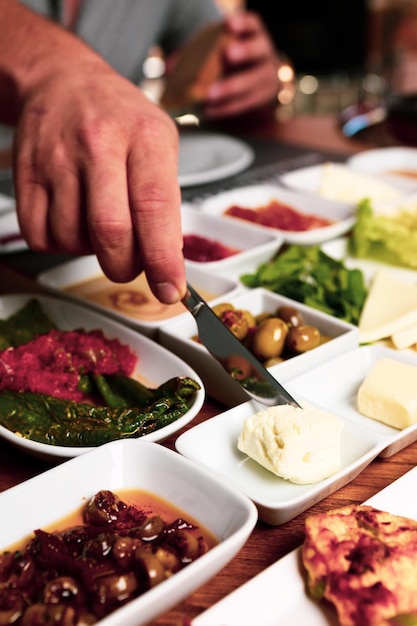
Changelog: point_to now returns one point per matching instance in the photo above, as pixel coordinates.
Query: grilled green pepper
(55, 421)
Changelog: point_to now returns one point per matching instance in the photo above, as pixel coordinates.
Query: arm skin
(95, 162)
(251, 65)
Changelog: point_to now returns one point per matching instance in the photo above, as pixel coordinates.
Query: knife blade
(233, 355)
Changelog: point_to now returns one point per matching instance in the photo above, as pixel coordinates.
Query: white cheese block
(302, 445)
(389, 393)
(390, 307)
(338, 182)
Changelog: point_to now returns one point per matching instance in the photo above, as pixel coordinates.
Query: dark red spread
(53, 363)
(204, 250)
(281, 216)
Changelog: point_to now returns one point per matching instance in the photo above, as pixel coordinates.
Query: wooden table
(266, 544)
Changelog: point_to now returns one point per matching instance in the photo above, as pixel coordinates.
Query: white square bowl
(145, 466)
(256, 196)
(255, 245)
(178, 335)
(142, 310)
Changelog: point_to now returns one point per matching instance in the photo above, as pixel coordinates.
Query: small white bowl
(178, 335)
(255, 196)
(145, 466)
(145, 314)
(255, 244)
(155, 365)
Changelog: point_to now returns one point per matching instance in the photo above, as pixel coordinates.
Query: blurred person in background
(94, 160)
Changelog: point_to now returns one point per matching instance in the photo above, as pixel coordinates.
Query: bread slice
(364, 562)
(197, 67)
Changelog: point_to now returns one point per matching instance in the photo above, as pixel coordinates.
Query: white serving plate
(334, 384)
(178, 335)
(207, 157)
(254, 196)
(155, 365)
(255, 245)
(143, 465)
(338, 249)
(383, 161)
(213, 444)
(58, 279)
(257, 602)
(308, 179)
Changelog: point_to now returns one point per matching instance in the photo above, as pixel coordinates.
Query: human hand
(251, 65)
(96, 172)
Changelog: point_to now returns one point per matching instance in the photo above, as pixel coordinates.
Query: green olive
(291, 316)
(151, 528)
(262, 317)
(269, 340)
(236, 322)
(218, 309)
(249, 317)
(151, 568)
(302, 338)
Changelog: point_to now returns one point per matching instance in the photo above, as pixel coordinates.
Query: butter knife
(227, 349)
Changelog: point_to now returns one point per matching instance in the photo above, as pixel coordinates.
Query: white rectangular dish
(83, 281)
(257, 602)
(256, 196)
(254, 245)
(138, 465)
(213, 444)
(334, 385)
(178, 334)
(155, 365)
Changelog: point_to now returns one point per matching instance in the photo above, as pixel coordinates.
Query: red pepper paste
(204, 250)
(52, 363)
(278, 215)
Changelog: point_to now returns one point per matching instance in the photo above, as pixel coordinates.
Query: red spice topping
(278, 215)
(203, 250)
(52, 363)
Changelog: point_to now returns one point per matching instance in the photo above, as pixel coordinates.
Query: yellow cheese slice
(388, 393)
(390, 307)
(405, 338)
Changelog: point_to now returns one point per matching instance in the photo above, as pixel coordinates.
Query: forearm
(32, 50)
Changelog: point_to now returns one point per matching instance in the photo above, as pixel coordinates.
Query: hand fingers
(134, 211)
(49, 201)
(155, 205)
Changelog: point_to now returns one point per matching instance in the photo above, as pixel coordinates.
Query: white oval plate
(254, 196)
(207, 157)
(155, 365)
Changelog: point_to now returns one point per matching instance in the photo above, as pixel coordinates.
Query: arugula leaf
(310, 276)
